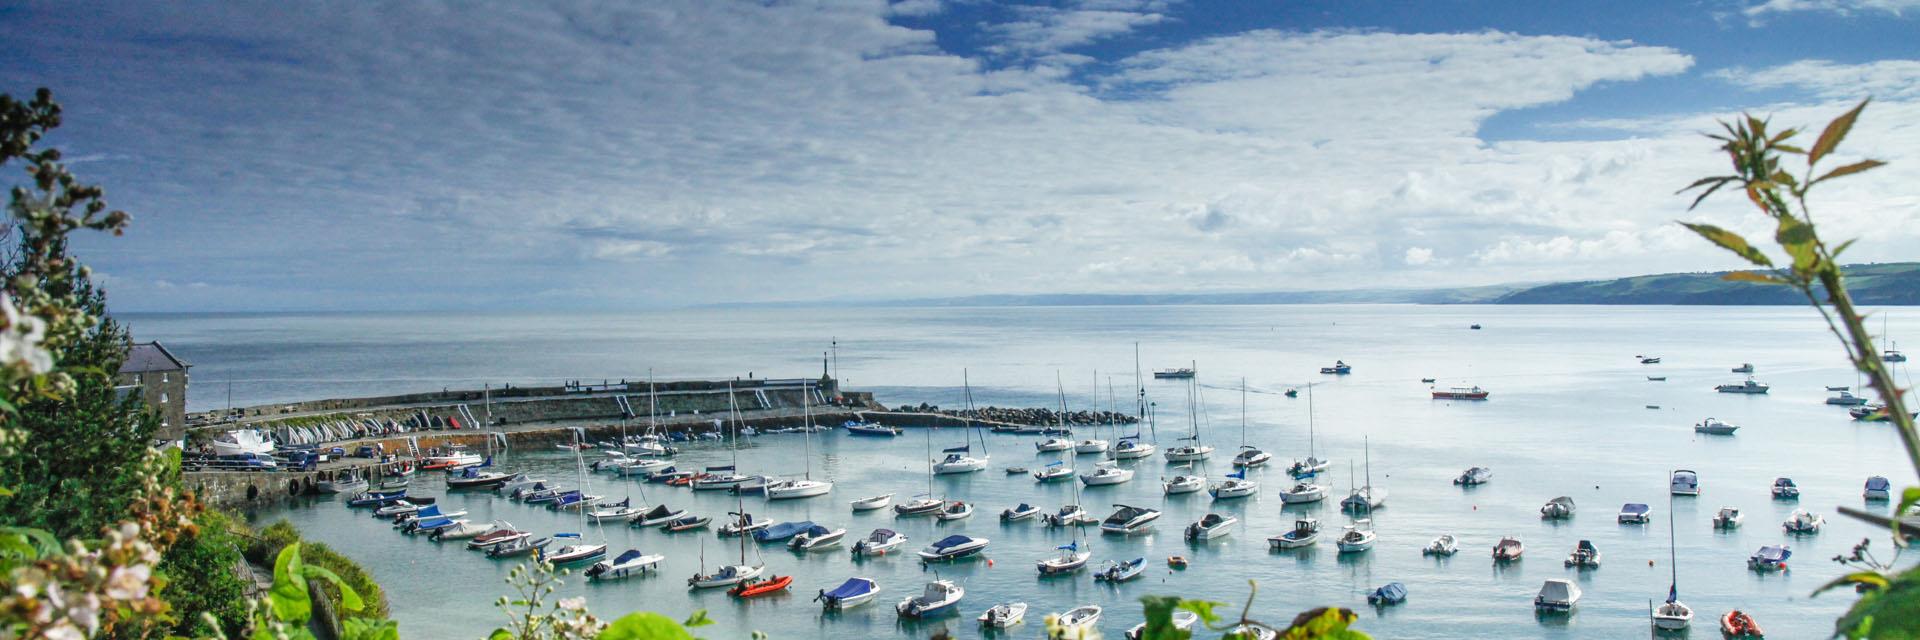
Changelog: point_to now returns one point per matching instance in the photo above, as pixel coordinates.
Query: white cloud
(1884, 79)
(1843, 7)
(1049, 29)
(1419, 256)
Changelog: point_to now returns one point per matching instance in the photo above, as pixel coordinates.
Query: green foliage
(270, 542)
(1892, 611)
(289, 604)
(1324, 624)
(652, 626)
(197, 577)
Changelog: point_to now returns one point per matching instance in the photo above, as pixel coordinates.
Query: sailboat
(924, 503)
(1311, 465)
(805, 487)
(958, 459)
(1093, 444)
(1130, 447)
(624, 509)
(1672, 615)
(1357, 536)
(1368, 497)
(1249, 456)
(1892, 353)
(734, 573)
(580, 550)
(1105, 472)
(1194, 451)
(1071, 558)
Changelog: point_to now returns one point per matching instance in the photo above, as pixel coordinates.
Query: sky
(625, 155)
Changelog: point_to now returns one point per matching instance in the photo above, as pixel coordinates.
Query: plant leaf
(1851, 169)
(1730, 241)
(1836, 131)
(1204, 609)
(1717, 183)
(1798, 239)
(1874, 578)
(1752, 276)
(348, 597)
(1843, 247)
(645, 625)
(697, 619)
(289, 592)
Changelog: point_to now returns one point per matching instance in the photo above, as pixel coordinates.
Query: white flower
(20, 342)
(129, 583)
(573, 604)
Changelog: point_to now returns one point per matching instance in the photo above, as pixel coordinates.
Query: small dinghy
(1071, 558)
(757, 588)
(1004, 615)
(1118, 571)
(1559, 508)
(1634, 513)
(1803, 522)
(660, 514)
(1076, 620)
(1306, 531)
(953, 547)
(1769, 558)
(1785, 489)
(1714, 427)
(879, 543)
(1052, 472)
(1071, 514)
(1584, 556)
(1557, 596)
(871, 503)
(686, 523)
(1182, 620)
(1728, 518)
(1508, 549)
(1442, 546)
(1211, 526)
(629, 564)
(938, 597)
(1474, 476)
(1878, 489)
(1019, 512)
(1737, 625)
(816, 538)
(955, 510)
(852, 593)
(743, 524)
(1014, 471)
(1391, 594)
(782, 532)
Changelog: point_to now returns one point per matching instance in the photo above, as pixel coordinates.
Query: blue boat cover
(950, 542)
(1392, 592)
(721, 468)
(960, 449)
(817, 530)
(1773, 554)
(629, 555)
(781, 531)
(1634, 507)
(852, 587)
(1071, 546)
(1877, 483)
(429, 512)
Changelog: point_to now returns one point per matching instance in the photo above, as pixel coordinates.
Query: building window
(137, 380)
(163, 397)
(165, 378)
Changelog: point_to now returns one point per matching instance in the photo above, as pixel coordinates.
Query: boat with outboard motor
(852, 593)
(879, 543)
(1306, 531)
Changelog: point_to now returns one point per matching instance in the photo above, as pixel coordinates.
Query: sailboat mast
(1243, 413)
(1672, 555)
(1309, 419)
(806, 410)
(1366, 451)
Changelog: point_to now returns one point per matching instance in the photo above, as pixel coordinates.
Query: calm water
(1567, 417)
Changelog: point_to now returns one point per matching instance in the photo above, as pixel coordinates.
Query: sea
(1573, 412)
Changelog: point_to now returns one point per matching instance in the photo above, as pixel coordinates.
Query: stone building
(161, 380)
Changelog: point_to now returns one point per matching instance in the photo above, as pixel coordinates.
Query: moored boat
(1728, 518)
(1306, 531)
(1508, 549)
(1584, 556)
(1769, 558)
(1019, 512)
(1785, 489)
(1557, 596)
(686, 523)
(1474, 476)
(1803, 522)
(1074, 621)
(1389, 594)
(660, 514)
(1211, 526)
(816, 538)
(1461, 393)
(1357, 537)
(1877, 489)
(873, 502)
(757, 588)
(852, 593)
(1070, 559)
(1121, 571)
(955, 510)
(1128, 520)
(879, 543)
(1634, 513)
(1559, 508)
(1107, 473)
(1004, 615)
(953, 547)
(1737, 625)
(938, 597)
(1684, 482)
(1748, 387)
(1443, 546)
(1182, 620)
(630, 563)
(1711, 426)
(782, 532)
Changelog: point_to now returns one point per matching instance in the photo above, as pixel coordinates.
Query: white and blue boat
(953, 547)
(1878, 489)
(781, 532)
(1634, 513)
(1391, 594)
(376, 498)
(939, 597)
(1121, 571)
(629, 564)
(1018, 513)
(1769, 558)
(852, 593)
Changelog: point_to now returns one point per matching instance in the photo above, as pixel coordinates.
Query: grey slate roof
(147, 357)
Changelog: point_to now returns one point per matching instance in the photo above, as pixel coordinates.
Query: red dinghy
(758, 588)
(1737, 624)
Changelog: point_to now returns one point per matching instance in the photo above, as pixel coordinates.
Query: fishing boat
(1129, 520)
(1745, 367)
(518, 547)
(1737, 625)
(502, 533)
(1071, 559)
(1672, 615)
(1684, 482)
(816, 538)
(1391, 594)
(1747, 387)
(757, 588)
(1121, 571)
(1508, 549)
(1584, 556)
(1303, 492)
(955, 510)
(1461, 393)
(1182, 620)
(1357, 537)
(871, 429)
(1803, 522)
(1769, 558)
(686, 523)
(1878, 489)
(1076, 620)
(629, 563)
(348, 482)
(1474, 477)
(1211, 526)
(1634, 513)
(1305, 532)
(1728, 518)
(1067, 515)
(781, 532)
(1106, 473)
(873, 502)
(1785, 489)
(1182, 483)
(1846, 399)
(1019, 512)
(1559, 508)
(1340, 367)
(879, 543)
(1050, 445)
(1173, 374)
(1443, 546)
(1714, 427)
(378, 498)
(1236, 486)
(804, 486)
(1004, 615)
(1056, 470)
(938, 597)
(852, 593)
(1557, 596)
(953, 547)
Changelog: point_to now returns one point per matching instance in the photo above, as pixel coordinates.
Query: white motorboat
(577, 552)
(1020, 512)
(1131, 448)
(1356, 537)
(1069, 515)
(628, 564)
(1236, 486)
(852, 593)
(1077, 619)
(1785, 489)
(1557, 596)
(1053, 444)
(1474, 477)
(1004, 615)
(1071, 559)
(1584, 556)
(1303, 492)
(1121, 570)
(1684, 483)
(953, 547)
(1803, 522)
(1211, 526)
(1748, 387)
(1634, 513)
(798, 488)
(1714, 427)
(955, 510)
(879, 543)
(1444, 545)
(938, 596)
(1846, 399)
(1107, 473)
(1183, 483)
(874, 502)
(1306, 531)
(1090, 445)
(1728, 518)
(1251, 457)
(1877, 489)
(1052, 472)
(1559, 508)
(1508, 549)
(1129, 520)
(816, 538)
(1182, 620)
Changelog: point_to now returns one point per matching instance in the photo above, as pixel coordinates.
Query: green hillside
(1871, 284)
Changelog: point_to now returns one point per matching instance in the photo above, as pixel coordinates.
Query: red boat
(683, 481)
(1737, 624)
(758, 588)
(1461, 393)
(438, 465)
